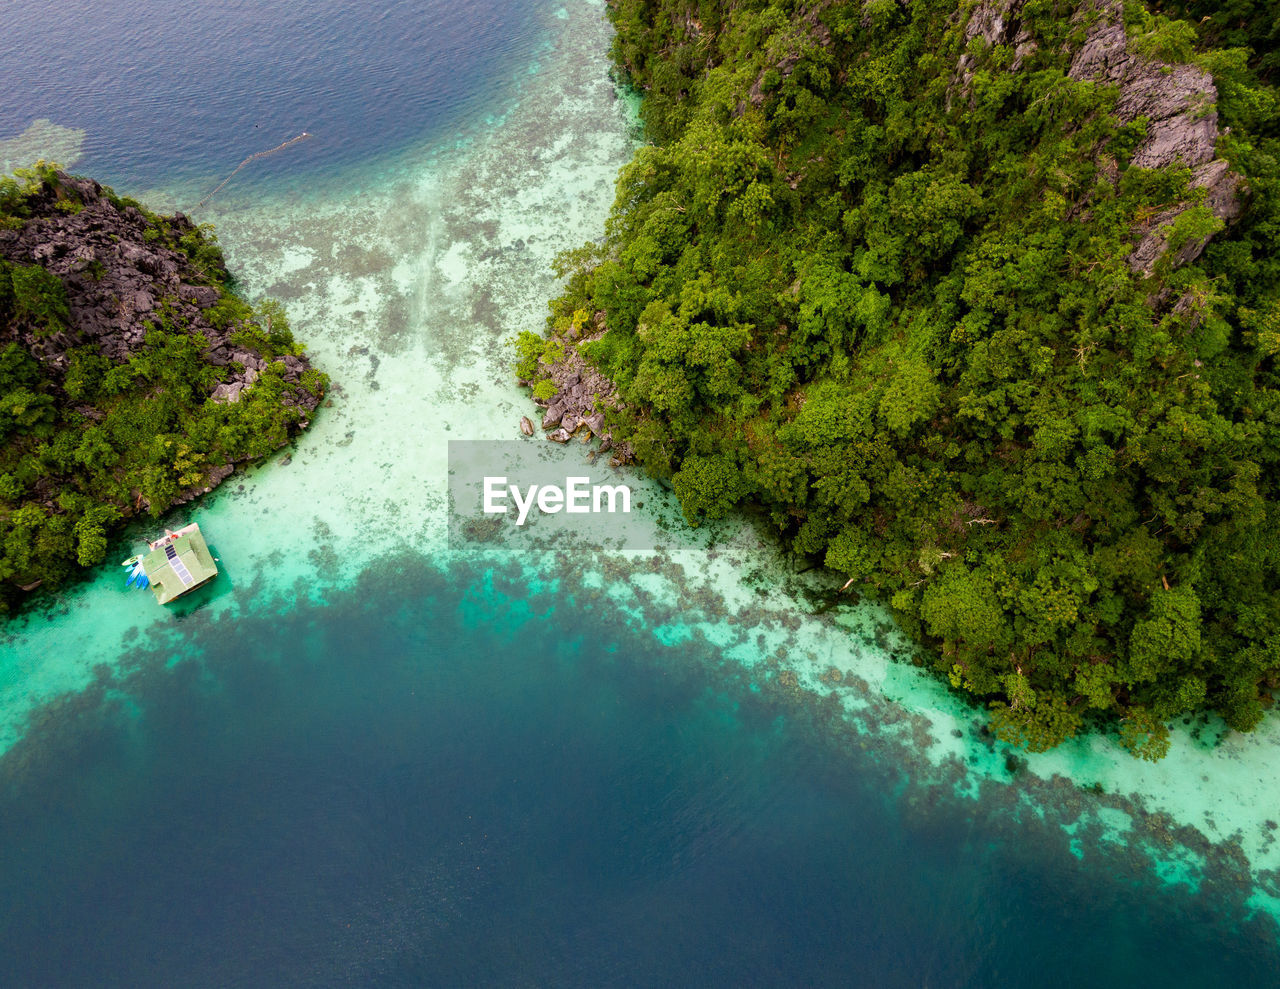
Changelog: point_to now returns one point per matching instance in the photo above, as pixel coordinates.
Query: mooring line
(261, 154)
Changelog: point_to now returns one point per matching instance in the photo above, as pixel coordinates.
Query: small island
(132, 378)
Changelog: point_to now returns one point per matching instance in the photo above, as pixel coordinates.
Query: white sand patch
(295, 259)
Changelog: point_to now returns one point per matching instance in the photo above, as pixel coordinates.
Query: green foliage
(264, 329)
(1038, 725)
(91, 534)
(1164, 40)
(1248, 24)
(1170, 631)
(529, 348)
(961, 607)
(201, 246)
(708, 487)
(895, 312)
(85, 443)
(534, 354)
(1144, 735)
(37, 298)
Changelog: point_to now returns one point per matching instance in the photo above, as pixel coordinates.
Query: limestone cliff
(122, 274)
(1177, 103)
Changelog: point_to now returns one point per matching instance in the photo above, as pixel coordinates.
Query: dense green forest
(107, 412)
(926, 283)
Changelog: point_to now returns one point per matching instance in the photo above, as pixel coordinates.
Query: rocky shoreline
(122, 274)
(582, 398)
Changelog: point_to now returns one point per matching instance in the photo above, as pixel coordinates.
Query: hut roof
(180, 564)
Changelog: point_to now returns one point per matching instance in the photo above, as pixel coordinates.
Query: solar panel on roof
(179, 567)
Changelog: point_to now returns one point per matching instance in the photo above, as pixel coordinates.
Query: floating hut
(178, 563)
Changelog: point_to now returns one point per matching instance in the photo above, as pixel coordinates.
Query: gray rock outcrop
(812, 32)
(119, 275)
(1178, 102)
(583, 395)
(997, 22)
(122, 275)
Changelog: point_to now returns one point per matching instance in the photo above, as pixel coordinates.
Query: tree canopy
(873, 276)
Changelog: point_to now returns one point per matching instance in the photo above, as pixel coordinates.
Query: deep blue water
(167, 89)
(431, 780)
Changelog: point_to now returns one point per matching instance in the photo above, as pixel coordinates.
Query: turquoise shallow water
(564, 767)
(437, 776)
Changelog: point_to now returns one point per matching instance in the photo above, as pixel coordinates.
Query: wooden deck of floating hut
(179, 563)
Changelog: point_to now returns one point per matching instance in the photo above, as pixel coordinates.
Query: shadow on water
(436, 777)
